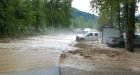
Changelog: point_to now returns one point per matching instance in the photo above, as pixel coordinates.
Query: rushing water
(40, 56)
(33, 52)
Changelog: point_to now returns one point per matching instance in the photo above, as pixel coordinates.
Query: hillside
(77, 13)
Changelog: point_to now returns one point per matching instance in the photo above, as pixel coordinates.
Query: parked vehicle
(115, 42)
(90, 36)
(120, 41)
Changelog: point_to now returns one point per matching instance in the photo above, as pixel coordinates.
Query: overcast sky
(83, 5)
(138, 12)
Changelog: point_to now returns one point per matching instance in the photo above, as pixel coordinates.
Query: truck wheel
(82, 39)
(77, 39)
(121, 44)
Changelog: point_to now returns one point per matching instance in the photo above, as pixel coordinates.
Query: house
(107, 31)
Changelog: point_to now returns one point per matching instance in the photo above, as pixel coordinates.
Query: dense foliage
(119, 13)
(21, 16)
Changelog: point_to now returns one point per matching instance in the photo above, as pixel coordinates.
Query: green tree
(21, 16)
(39, 14)
(109, 11)
(58, 13)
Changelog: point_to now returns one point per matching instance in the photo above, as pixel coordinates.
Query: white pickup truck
(120, 41)
(90, 36)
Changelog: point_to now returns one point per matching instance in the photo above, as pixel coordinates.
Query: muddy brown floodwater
(40, 55)
(93, 58)
(33, 52)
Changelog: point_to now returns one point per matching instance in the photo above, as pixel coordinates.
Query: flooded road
(33, 52)
(40, 55)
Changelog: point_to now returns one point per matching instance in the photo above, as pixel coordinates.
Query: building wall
(109, 32)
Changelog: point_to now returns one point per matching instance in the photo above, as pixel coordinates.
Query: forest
(81, 19)
(24, 16)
